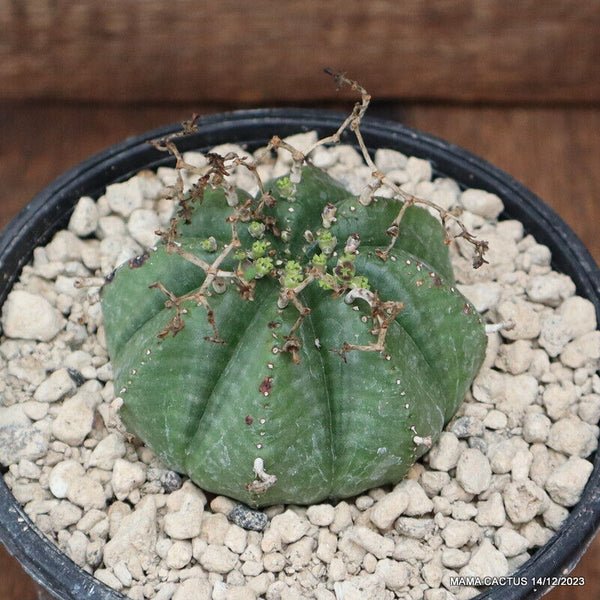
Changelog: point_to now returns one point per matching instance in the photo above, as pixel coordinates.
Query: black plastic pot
(49, 211)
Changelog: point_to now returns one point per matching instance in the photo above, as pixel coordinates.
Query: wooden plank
(554, 151)
(265, 50)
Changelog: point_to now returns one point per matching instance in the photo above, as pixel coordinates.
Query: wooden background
(514, 81)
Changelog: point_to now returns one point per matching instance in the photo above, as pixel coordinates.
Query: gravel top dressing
(497, 485)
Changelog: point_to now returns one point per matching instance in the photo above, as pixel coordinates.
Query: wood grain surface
(499, 50)
(554, 151)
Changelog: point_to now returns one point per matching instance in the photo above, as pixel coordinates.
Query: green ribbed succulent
(280, 349)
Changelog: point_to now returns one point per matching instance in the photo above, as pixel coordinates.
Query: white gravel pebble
(142, 225)
(565, 484)
(290, 526)
(389, 508)
(31, 317)
(573, 437)
(185, 512)
(126, 476)
(524, 500)
(445, 454)
(74, 420)
(218, 559)
(473, 471)
(486, 561)
(84, 220)
(321, 515)
(58, 385)
(482, 203)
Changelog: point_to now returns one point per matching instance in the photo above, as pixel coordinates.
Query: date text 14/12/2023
(553, 581)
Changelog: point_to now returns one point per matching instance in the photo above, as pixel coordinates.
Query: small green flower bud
(286, 188)
(360, 282)
(319, 261)
(259, 249)
(292, 274)
(256, 229)
(327, 242)
(264, 266)
(209, 244)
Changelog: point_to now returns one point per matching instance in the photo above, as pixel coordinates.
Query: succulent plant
(281, 349)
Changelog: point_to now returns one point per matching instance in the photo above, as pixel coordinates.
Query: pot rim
(45, 214)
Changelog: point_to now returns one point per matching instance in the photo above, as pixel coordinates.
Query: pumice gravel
(497, 485)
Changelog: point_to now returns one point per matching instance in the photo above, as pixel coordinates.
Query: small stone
(445, 453)
(395, 574)
(482, 203)
(299, 553)
(342, 518)
(433, 481)
(64, 514)
(535, 534)
(84, 220)
(387, 160)
(197, 588)
(573, 437)
(135, 539)
(29, 316)
(515, 358)
(550, 289)
(74, 421)
(223, 505)
(108, 578)
(536, 427)
(171, 481)
(290, 526)
(247, 518)
(371, 541)
(62, 475)
(108, 450)
(218, 559)
(588, 409)
(483, 296)
(126, 477)
(18, 438)
(236, 539)
(524, 500)
(38, 410)
(510, 542)
(566, 483)
(585, 348)
(473, 471)
(86, 492)
(495, 419)
(326, 546)
(486, 561)
(274, 562)
(555, 516)
(457, 534)
(388, 509)
(59, 384)
(464, 427)
(453, 558)
(124, 198)
(185, 511)
(179, 554)
(418, 169)
(579, 314)
(142, 225)
(522, 315)
(321, 515)
(554, 335)
(417, 528)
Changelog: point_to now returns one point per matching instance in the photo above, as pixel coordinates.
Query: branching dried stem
(215, 173)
